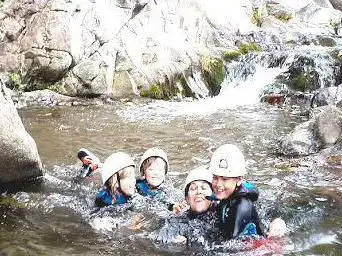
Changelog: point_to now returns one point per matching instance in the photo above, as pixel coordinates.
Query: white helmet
(228, 161)
(199, 173)
(114, 163)
(156, 152)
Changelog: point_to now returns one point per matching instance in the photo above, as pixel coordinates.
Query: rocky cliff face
(119, 48)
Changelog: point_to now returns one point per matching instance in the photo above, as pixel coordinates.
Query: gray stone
(18, 151)
(329, 125)
(55, 40)
(87, 71)
(300, 142)
(337, 4)
(122, 85)
(327, 96)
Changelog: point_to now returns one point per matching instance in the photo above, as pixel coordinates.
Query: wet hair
(149, 161)
(186, 191)
(113, 183)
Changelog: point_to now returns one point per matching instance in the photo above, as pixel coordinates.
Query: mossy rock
(171, 87)
(9, 202)
(300, 82)
(213, 73)
(154, 92)
(304, 81)
(231, 55)
(256, 18)
(59, 88)
(187, 92)
(284, 17)
(14, 81)
(250, 47)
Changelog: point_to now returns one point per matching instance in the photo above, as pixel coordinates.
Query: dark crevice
(58, 10)
(137, 9)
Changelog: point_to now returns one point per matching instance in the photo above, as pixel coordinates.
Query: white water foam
(232, 95)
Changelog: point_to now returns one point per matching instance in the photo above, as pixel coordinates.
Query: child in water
(90, 163)
(198, 218)
(237, 214)
(118, 179)
(153, 168)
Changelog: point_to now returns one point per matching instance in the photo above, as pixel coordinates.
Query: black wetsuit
(196, 228)
(238, 211)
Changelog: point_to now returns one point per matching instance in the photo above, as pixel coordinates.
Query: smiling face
(224, 187)
(127, 180)
(154, 171)
(198, 190)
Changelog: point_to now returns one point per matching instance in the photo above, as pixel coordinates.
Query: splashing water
(233, 94)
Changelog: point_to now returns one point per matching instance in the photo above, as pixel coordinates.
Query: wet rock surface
(18, 149)
(323, 130)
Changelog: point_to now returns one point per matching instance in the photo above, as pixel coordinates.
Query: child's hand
(181, 207)
(277, 228)
(89, 162)
(137, 222)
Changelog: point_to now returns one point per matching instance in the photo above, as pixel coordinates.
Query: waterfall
(245, 80)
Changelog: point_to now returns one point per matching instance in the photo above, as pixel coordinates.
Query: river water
(57, 217)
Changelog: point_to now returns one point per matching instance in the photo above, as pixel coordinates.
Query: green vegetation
(243, 50)
(303, 81)
(213, 73)
(284, 17)
(172, 87)
(250, 47)
(300, 82)
(58, 87)
(231, 55)
(256, 18)
(10, 202)
(154, 91)
(187, 92)
(15, 81)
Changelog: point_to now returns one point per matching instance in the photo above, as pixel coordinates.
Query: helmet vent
(223, 164)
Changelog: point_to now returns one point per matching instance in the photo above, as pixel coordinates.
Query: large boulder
(18, 151)
(323, 130)
(301, 141)
(328, 120)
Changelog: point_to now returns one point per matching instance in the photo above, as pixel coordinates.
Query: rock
(334, 160)
(327, 96)
(122, 85)
(79, 45)
(337, 4)
(87, 71)
(302, 141)
(328, 123)
(323, 130)
(273, 99)
(18, 150)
